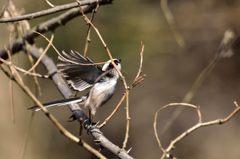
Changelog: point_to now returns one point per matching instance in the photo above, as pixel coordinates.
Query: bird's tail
(59, 103)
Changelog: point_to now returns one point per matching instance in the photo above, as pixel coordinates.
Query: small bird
(102, 81)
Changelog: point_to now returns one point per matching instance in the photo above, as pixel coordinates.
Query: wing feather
(80, 77)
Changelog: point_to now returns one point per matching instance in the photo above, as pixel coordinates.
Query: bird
(82, 73)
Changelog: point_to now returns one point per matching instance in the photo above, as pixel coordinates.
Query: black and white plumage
(102, 80)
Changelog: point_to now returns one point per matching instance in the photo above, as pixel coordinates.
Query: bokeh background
(171, 70)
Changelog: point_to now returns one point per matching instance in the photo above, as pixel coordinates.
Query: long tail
(59, 103)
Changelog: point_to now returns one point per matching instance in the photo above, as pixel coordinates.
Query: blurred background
(171, 70)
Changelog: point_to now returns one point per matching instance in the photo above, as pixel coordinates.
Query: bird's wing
(80, 77)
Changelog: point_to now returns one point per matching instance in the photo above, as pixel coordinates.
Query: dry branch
(53, 10)
(166, 152)
(44, 27)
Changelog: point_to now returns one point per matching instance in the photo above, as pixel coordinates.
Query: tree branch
(53, 10)
(44, 27)
(166, 152)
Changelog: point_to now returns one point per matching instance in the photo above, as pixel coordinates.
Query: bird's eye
(116, 62)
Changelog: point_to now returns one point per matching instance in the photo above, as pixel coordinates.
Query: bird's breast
(101, 93)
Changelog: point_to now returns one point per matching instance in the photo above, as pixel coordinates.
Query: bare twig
(12, 101)
(139, 78)
(73, 62)
(30, 73)
(171, 23)
(89, 30)
(53, 10)
(49, 25)
(34, 71)
(50, 4)
(43, 53)
(11, 88)
(224, 50)
(114, 111)
(156, 115)
(166, 152)
(27, 135)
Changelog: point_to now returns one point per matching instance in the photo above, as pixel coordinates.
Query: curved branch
(166, 152)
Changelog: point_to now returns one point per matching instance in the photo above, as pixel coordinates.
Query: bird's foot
(91, 126)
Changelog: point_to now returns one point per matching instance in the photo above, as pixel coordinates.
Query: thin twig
(43, 53)
(137, 78)
(171, 23)
(166, 152)
(156, 115)
(73, 62)
(89, 31)
(12, 101)
(11, 88)
(30, 73)
(114, 111)
(127, 120)
(50, 4)
(27, 135)
(34, 71)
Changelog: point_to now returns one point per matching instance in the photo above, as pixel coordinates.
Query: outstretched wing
(80, 77)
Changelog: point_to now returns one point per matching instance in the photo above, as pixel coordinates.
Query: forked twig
(166, 152)
(156, 115)
(135, 82)
(89, 30)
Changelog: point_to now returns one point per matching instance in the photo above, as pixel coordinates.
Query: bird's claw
(91, 127)
(71, 118)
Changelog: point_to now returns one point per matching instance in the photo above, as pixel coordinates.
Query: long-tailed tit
(102, 80)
